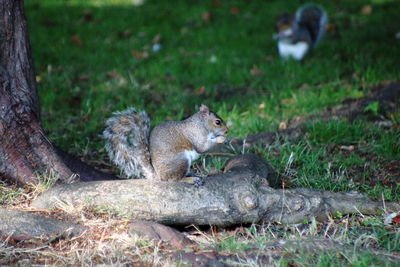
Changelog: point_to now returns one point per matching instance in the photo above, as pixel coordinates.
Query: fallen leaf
(234, 10)
(389, 219)
(268, 58)
(200, 90)
(206, 16)
(366, 10)
(77, 40)
(83, 77)
(283, 125)
(297, 118)
(330, 27)
(139, 54)
(287, 101)
(305, 86)
(126, 34)
(255, 71)
(114, 74)
(396, 220)
(216, 3)
(347, 148)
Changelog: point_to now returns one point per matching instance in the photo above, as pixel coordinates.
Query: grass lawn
(93, 57)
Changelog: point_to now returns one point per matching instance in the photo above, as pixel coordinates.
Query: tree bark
(240, 195)
(25, 152)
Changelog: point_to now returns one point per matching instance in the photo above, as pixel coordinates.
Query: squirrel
(167, 152)
(299, 33)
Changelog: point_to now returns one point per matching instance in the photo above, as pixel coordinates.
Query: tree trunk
(25, 152)
(240, 195)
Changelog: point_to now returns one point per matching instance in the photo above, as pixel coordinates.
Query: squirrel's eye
(217, 122)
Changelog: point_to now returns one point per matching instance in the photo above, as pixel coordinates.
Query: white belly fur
(296, 51)
(191, 155)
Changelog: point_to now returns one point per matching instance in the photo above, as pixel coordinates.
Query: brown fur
(166, 157)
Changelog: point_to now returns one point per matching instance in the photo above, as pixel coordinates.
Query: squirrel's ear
(204, 109)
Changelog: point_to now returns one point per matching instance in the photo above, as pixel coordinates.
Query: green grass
(83, 52)
(340, 156)
(10, 194)
(89, 60)
(233, 244)
(349, 61)
(361, 237)
(334, 259)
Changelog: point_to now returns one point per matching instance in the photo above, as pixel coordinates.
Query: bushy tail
(127, 142)
(314, 19)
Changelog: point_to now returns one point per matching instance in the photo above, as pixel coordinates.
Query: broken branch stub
(240, 195)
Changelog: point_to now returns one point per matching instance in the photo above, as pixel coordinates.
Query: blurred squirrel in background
(167, 152)
(299, 33)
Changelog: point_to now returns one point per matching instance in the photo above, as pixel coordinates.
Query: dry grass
(107, 241)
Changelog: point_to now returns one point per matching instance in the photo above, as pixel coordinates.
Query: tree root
(240, 195)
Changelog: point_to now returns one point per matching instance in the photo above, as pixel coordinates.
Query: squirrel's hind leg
(172, 169)
(177, 169)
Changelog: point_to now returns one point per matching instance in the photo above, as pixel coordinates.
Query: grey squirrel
(301, 32)
(168, 151)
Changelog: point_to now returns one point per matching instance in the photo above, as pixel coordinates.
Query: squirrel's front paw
(220, 139)
(198, 182)
(194, 180)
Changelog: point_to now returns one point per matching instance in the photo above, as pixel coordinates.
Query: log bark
(23, 225)
(240, 195)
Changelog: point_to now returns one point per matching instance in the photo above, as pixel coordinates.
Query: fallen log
(240, 195)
